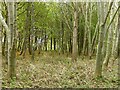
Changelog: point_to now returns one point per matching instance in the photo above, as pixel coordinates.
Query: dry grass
(56, 71)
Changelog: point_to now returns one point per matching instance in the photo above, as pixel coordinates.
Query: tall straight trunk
(45, 41)
(51, 41)
(78, 41)
(62, 27)
(54, 43)
(70, 43)
(79, 37)
(85, 31)
(29, 26)
(94, 38)
(89, 31)
(99, 59)
(32, 30)
(11, 62)
(75, 24)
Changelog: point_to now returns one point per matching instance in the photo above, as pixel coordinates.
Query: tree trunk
(74, 52)
(89, 32)
(99, 59)
(51, 42)
(54, 43)
(62, 27)
(32, 30)
(85, 32)
(11, 62)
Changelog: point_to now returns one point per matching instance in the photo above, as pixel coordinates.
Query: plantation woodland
(60, 44)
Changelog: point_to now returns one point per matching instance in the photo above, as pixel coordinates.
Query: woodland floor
(58, 71)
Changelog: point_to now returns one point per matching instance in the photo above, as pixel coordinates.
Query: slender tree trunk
(85, 32)
(11, 62)
(94, 38)
(45, 41)
(32, 30)
(51, 41)
(89, 32)
(29, 26)
(99, 59)
(62, 27)
(70, 44)
(54, 43)
(74, 52)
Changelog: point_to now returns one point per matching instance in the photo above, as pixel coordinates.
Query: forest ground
(52, 70)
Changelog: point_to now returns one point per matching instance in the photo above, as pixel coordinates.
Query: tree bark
(99, 59)
(11, 62)
(74, 52)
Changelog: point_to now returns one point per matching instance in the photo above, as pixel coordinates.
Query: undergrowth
(59, 71)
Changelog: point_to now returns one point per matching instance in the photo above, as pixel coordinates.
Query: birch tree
(75, 25)
(11, 44)
(99, 60)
